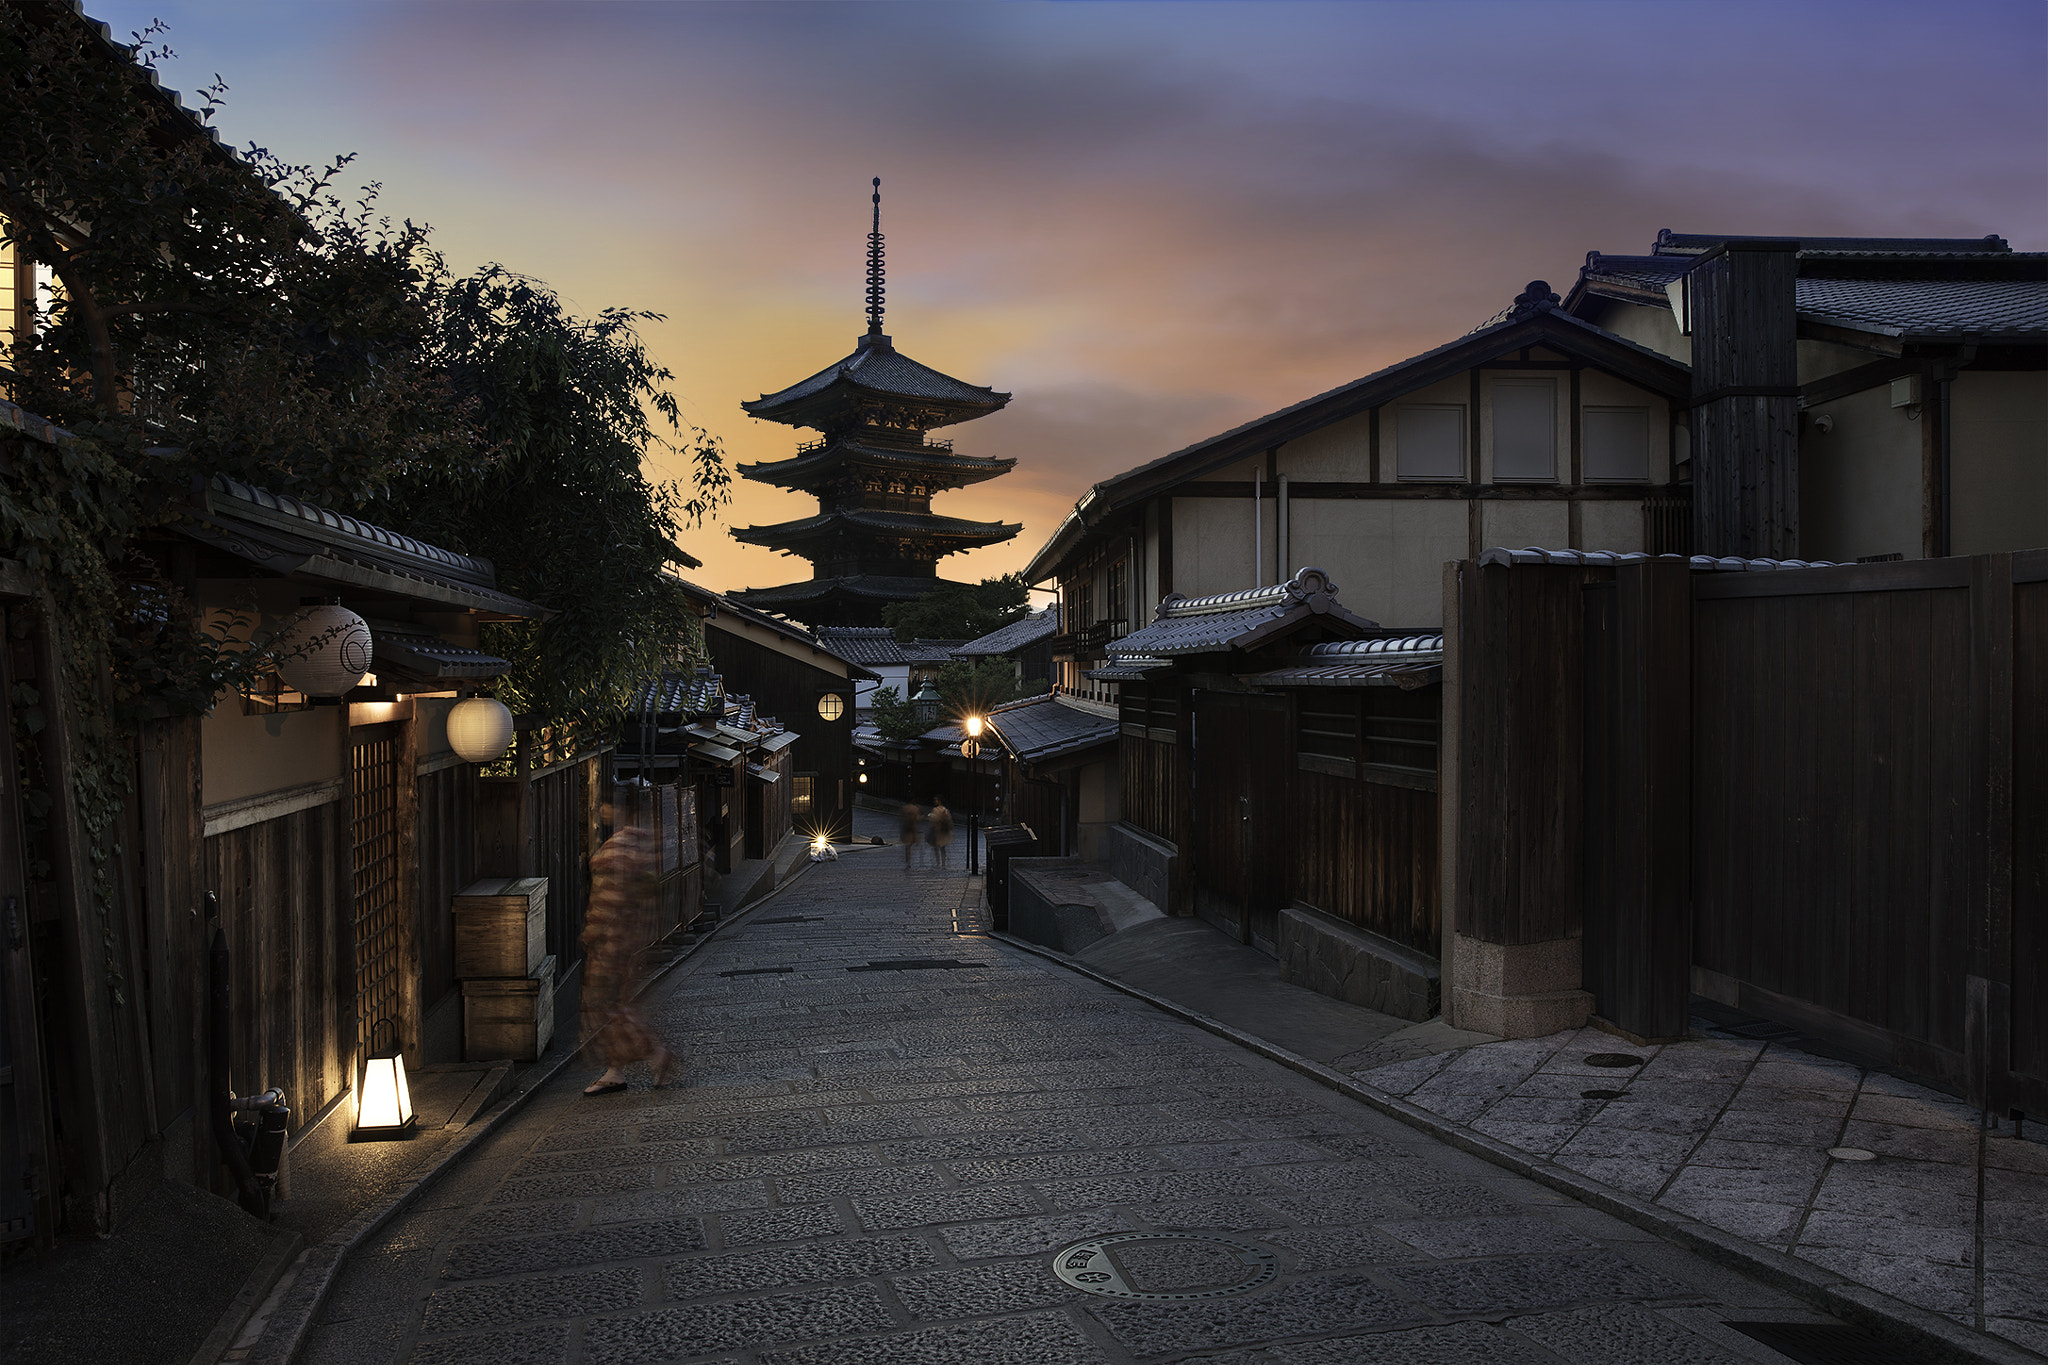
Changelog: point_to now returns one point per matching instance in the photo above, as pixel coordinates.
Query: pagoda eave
(936, 469)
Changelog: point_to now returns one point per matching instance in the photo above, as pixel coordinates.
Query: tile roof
(879, 645)
(1671, 243)
(872, 519)
(1397, 661)
(1535, 554)
(1017, 635)
(811, 465)
(864, 587)
(881, 368)
(1052, 726)
(422, 654)
(1236, 620)
(2012, 308)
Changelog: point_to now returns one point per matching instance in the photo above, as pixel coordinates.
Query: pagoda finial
(875, 267)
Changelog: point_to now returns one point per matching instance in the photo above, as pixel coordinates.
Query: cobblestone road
(873, 1158)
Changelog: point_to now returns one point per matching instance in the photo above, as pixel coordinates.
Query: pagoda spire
(875, 266)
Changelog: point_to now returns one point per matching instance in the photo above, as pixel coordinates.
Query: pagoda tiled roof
(955, 471)
(877, 367)
(811, 592)
(877, 522)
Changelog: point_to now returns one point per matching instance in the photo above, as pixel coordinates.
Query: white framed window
(1615, 445)
(1524, 430)
(1429, 441)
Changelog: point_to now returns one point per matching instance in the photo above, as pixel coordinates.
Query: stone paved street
(890, 1124)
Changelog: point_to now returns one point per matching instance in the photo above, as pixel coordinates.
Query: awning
(775, 744)
(717, 753)
(429, 657)
(756, 770)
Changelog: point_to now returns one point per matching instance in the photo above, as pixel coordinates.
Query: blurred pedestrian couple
(618, 924)
(934, 830)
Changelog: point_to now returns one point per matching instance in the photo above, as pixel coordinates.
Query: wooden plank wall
(556, 810)
(169, 841)
(1746, 430)
(1834, 780)
(447, 864)
(1155, 783)
(293, 954)
(2029, 1046)
(1366, 852)
(1520, 718)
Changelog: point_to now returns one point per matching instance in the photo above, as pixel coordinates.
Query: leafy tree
(970, 688)
(896, 718)
(570, 408)
(960, 611)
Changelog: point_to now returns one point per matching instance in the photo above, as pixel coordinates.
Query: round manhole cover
(1165, 1266)
(1616, 1060)
(1852, 1154)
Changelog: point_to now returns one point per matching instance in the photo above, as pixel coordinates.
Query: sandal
(604, 1087)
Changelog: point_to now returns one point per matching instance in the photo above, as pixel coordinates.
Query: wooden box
(509, 1016)
(501, 927)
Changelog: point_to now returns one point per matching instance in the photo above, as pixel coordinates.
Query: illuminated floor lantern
(480, 729)
(384, 1103)
(325, 652)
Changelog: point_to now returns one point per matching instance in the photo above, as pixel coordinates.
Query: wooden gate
(1243, 756)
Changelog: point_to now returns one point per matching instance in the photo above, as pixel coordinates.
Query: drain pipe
(1280, 530)
(219, 1085)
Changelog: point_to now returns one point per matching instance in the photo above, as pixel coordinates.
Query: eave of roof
(1546, 326)
(878, 369)
(794, 633)
(858, 587)
(1052, 726)
(1017, 635)
(1238, 620)
(802, 470)
(872, 521)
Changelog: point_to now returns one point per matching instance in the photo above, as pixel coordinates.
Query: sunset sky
(1149, 222)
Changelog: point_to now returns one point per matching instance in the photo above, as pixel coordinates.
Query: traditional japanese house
(889, 661)
(1025, 644)
(874, 471)
(1854, 398)
(1056, 773)
(811, 687)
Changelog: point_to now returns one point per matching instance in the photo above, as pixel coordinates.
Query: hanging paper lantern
(480, 729)
(325, 652)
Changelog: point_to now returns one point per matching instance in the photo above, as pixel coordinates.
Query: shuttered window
(1429, 441)
(1524, 430)
(1616, 445)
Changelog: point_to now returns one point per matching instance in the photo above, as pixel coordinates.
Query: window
(1524, 429)
(1326, 727)
(1429, 441)
(1615, 443)
(831, 706)
(270, 694)
(1117, 607)
(1400, 729)
(803, 795)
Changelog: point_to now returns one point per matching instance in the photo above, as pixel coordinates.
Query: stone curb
(255, 1290)
(292, 1306)
(1852, 1302)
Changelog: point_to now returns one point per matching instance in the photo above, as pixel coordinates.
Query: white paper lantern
(480, 729)
(325, 652)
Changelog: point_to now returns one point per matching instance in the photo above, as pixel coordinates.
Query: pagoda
(875, 539)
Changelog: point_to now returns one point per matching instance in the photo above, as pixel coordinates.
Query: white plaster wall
(1098, 810)
(1819, 359)
(1611, 526)
(1860, 484)
(1998, 461)
(243, 756)
(1212, 545)
(1339, 452)
(1513, 525)
(1648, 325)
(1386, 557)
(1601, 390)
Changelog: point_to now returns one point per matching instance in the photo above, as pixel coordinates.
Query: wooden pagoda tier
(850, 535)
(878, 388)
(851, 600)
(853, 466)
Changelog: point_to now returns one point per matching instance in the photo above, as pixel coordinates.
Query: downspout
(1944, 446)
(1280, 530)
(1258, 529)
(219, 1086)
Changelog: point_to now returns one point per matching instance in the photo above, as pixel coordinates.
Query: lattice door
(380, 923)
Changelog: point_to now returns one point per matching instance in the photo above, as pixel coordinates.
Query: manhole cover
(1599, 1094)
(915, 964)
(1852, 1154)
(758, 971)
(793, 919)
(1616, 1060)
(1165, 1266)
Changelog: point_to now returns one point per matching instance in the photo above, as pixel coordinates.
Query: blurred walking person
(912, 818)
(941, 833)
(616, 926)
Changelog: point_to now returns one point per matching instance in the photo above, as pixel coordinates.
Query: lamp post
(972, 749)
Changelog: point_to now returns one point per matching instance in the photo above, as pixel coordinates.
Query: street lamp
(973, 725)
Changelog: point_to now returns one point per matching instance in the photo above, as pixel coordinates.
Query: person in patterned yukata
(616, 926)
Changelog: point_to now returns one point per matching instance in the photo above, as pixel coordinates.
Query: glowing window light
(831, 706)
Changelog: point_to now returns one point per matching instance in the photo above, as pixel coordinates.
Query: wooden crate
(501, 927)
(509, 1016)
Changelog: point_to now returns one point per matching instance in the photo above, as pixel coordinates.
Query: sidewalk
(1885, 1183)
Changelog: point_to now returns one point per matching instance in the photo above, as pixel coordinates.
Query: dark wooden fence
(1366, 852)
(447, 864)
(1815, 795)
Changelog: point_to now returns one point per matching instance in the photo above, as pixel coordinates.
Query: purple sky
(1148, 221)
